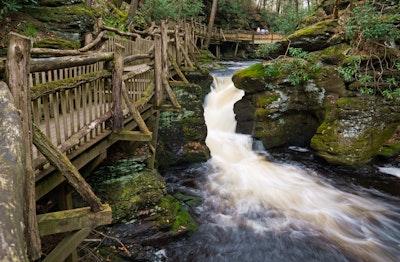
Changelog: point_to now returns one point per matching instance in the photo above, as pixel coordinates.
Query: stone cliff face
(326, 111)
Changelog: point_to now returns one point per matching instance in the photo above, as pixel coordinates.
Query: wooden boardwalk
(74, 105)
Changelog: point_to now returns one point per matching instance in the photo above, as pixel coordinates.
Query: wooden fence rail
(74, 104)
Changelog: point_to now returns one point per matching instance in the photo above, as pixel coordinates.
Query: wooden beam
(17, 72)
(67, 246)
(126, 135)
(71, 173)
(52, 63)
(73, 219)
(132, 109)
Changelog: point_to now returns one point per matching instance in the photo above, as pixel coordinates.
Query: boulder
(68, 22)
(182, 133)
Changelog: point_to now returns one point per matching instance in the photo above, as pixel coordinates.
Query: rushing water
(256, 209)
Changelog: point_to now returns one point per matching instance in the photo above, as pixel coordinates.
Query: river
(280, 205)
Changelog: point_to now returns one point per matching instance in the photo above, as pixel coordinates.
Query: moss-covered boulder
(69, 22)
(325, 112)
(275, 111)
(182, 133)
(355, 130)
(316, 36)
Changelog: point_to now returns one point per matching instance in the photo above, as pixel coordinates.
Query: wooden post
(154, 125)
(158, 71)
(236, 48)
(67, 169)
(17, 70)
(116, 109)
(164, 54)
(177, 39)
(12, 170)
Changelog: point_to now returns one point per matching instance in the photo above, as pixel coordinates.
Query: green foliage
(234, 14)
(348, 72)
(30, 30)
(155, 10)
(13, 5)
(368, 23)
(298, 68)
(265, 49)
(287, 22)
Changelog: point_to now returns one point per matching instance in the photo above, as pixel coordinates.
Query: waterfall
(249, 191)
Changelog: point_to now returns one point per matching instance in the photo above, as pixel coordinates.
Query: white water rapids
(251, 192)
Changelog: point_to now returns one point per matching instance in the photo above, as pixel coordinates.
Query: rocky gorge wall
(324, 110)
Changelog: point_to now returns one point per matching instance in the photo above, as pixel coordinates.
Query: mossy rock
(182, 133)
(173, 215)
(334, 55)
(250, 79)
(129, 195)
(355, 130)
(56, 44)
(68, 22)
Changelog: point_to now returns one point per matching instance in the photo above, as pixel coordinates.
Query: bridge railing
(74, 104)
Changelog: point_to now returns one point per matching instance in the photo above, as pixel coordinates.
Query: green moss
(56, 44)
(265, 100)
(260, 113)
(191, 201)
(254, 71)
(50, 87)
(315, 29)
(390, 150)
(172, 210)
(60, 14)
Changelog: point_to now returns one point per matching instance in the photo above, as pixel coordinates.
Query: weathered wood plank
(67, 246)
(17, 72)
(45, 64)
(116, 109)
(126, 135)
(135, 113)
(60, 160)
(73, 219)
(12, 174)
(65, 84)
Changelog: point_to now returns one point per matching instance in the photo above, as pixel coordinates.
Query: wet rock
(68, 22)
(182, 133)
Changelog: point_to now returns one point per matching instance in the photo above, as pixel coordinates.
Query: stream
(280, 205)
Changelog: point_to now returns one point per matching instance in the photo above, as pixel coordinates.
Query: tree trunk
(132, 11)
(211, 22)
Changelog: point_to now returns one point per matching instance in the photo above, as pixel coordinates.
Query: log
(117, 116)
(135, 70)
(111, 29)
(46, 64)
(134, 112)
(56, 52)
(171, 93)
(73, 219)
(69, 83)
(74, 139)
(158, 71)
(67, 246)
(67, 169)
(12, 173)
(17, 70)
(177, 69)
(93, 43)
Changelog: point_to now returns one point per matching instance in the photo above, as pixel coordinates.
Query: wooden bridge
(237, 37)
(71, 106)
(62, 110)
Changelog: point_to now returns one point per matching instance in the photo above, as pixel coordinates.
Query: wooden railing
(74, 104)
